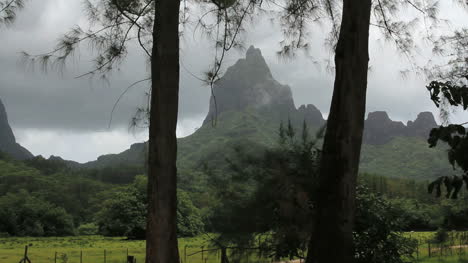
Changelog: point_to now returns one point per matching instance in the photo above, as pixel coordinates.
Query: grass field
(97, 249)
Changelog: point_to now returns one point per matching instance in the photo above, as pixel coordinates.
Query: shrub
(88, 229)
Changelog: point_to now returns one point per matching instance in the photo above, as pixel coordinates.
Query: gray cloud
(51, 104)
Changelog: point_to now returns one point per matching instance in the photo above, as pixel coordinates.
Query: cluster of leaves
(455, 95)
(375, 235)
(25, 215)
(453, 184)
(8, 9)
(125, 213)
(445, 94)
(74, 192)
(454, 48)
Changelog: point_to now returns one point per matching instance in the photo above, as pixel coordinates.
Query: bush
(125, 213)
(441, 236)
(376, 235)
(88, 229)
(25, 215)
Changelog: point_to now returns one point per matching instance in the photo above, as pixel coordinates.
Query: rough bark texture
(161, 241)
(332, 240)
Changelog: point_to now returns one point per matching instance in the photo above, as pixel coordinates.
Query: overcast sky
(57, 114)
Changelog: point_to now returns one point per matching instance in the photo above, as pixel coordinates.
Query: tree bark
(332, 238)
(161, 237)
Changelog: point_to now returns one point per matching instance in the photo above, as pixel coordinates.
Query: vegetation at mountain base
(240, 203)
(279, 225)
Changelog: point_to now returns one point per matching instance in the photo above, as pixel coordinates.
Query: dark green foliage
(46, 167)
(455, 215)
(455, 94)
(88, 229)
(441, 236)
(267, 202)
(116, 174)
(417, 216)
(25, 215)
(124, 214)
(376, 238)
(270, 195)
(453, 184)
(78, 195)
(405, 157)
(453, 135)
(189, 219)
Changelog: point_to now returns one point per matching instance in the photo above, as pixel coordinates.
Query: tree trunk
(161, 237)
(332, 239)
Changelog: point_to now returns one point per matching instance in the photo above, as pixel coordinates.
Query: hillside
(405, 157)
(251, 104)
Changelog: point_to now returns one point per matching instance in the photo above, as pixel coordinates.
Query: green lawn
(42, 250)
(68, 249)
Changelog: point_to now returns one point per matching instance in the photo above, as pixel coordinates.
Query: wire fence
(428, 249)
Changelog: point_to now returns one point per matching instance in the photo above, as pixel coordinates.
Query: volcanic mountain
(248, 106)
(8, 142)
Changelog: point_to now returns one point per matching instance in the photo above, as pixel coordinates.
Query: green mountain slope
(250, 106)
(408, 157)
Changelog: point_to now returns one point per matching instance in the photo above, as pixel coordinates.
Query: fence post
(429, 248)
(105, 256)
(202, 253)
(25, 257)
(55, 259)
(81, 256)
(460, 248)
(417, 250)
(185, 254)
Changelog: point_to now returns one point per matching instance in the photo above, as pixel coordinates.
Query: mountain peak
(254, 54)
(378, 116)
(249, 84)
(253, 67)
(7, 138)
(423, 124)
(311, 114)
(379, 128)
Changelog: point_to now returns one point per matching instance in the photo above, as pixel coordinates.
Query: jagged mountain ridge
(8, 142)
(250, 105)
(380, 129)
(249, 84)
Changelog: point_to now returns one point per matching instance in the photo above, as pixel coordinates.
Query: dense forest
(41, 197)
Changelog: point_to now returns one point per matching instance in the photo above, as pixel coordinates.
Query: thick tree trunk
(161, 237)
(332, 239)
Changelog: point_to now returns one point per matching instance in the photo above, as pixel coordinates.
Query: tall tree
(332, 237)
(155, 25)
(161, 241)
(342, 144)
